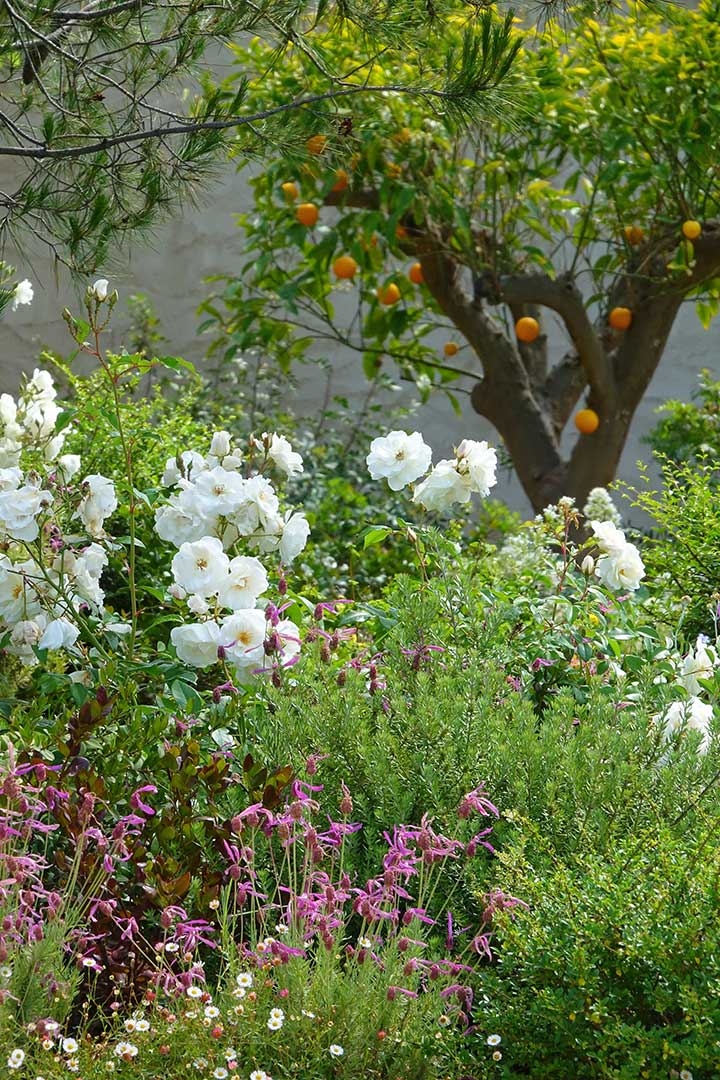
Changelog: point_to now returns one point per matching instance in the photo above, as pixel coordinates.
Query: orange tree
(594, 208)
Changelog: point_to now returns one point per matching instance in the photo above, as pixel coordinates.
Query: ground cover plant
(460, 825)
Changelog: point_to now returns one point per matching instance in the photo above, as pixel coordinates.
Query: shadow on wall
(170, 269)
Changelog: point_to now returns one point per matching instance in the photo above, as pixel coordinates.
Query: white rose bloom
(179, 526)
(41, 385)
(247, 581)
(294, 537)
(700, 663)
(25, 635)
(94, 559)
(622, 569)
(18, 594)
(198, 605)
(8, 409)
(398, 457)
(692, 715)
(68, 466)
(267, 537)
(19, 509)
(480, 461)
(59, 634)
(610, 539)
(100, 289)
(443, 487)
(242, 636)
(218, 492)
(220, 444)
(192, 465)
(97, 504)
(197, 643)
(23, 294)
(201, 567)
(282, 454)
(262, 494)
(10, 479)
(290, 639)
(54, 446)
(232, 462)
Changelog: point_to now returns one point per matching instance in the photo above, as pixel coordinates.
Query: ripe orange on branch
(415, 273)
(634, 234)
(290, 190)
(389, 295)
(620, 318)
(316, 144)
(451, 348)
(341, 181)
(527, 329)
(587, 421)
(691, 229)
(345, 267)
(307, 213)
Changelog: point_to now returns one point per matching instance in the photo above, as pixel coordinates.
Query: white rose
(197, 643)
(10, 479)
(692, 715)
(480, 461)
(247, 581)
(700, 663)
(97, 504)
(68, 466)
(242, 636)
(610, 539)
(294, 537)
(23, 294)
(218, 492)
(59, 634)
(282, 454)
(232, 462)
(18, 596)
(289, 636)
(41, 385)
(178, 526)
(8, 409)
(220, 444)
(622, 569)
(19, 509)
(100, 289)
(198, 605)
(192, 465)
(443, 487)
(201, 567)
(398, 457)
(25, 636)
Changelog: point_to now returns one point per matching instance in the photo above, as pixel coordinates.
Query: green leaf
(375, 535)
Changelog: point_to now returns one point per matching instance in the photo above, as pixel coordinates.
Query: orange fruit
(691, 229)
(415, 273)
(587, 421)
(527, 329)
(450, 348)
(634, 234)
(620, 318)
(341, 181)
(389, 295)
(307, 213)
(400, 232)
(290, 190)
(345, 267)
(316, 144)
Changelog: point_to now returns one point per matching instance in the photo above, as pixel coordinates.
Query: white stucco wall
(198, 243)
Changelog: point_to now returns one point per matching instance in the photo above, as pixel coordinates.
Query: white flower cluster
(693, 714)
(30, 421)
(39, 597)
(401, 459)
(619, 566)
(600, 507)
(213, 498)
(213, 508)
